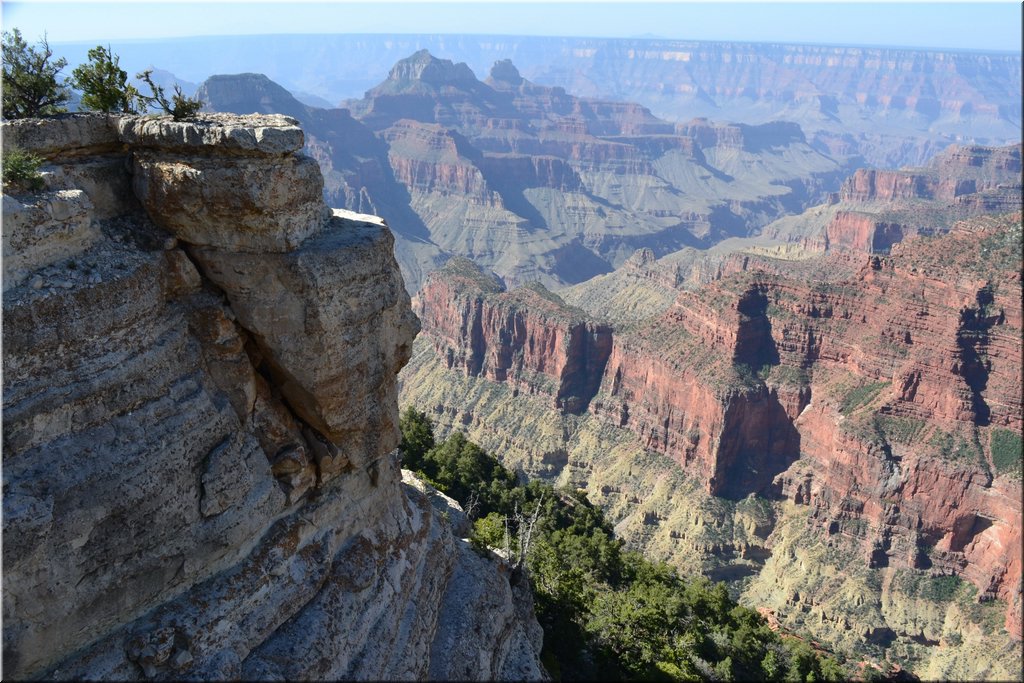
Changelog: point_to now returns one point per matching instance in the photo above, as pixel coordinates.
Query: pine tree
(30, 86)
(104, 84)
(180, 106)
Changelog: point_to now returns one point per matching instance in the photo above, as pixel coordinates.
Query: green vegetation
(1000, 251)
(607, 613)
(1006, 449)
(21, 171)
(788, 375)
(179, 106)
(104, 84)
(752, 377)
(901, 429)
(941, 588)
(30, 86)
(956, 447)
(461, 267)
(860, 396)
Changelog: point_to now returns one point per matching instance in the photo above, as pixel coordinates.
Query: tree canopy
(607, 613)
(30, 85)
(104, 84)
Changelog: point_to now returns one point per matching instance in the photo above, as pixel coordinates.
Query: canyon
(833, 435)
(886, 106)
(765, 386)
(200, 472)
(785, 354)
(535, 183)
(878, 208)
(872, 212)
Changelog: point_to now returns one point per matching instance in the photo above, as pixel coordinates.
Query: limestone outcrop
(199, 470)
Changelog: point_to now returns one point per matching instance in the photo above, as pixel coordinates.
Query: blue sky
(981, 26)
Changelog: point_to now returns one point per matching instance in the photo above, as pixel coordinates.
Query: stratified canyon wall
(534, 182)
(877, 208)
(892, 106)
(199, 469)
(875, 399)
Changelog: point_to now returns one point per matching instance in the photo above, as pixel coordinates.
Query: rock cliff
(881, 396)
(877, 208)
(957, 171)
(355, 165)
(200, 478)
(531, 181)
(528, 338)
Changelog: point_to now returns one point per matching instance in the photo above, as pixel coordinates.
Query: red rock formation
(876, 185)
(428, 158)
(953, 173)
(887, 385)
(528, 338)
(855, 231)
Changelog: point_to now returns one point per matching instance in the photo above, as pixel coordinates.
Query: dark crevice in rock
(285, 459)
(972, 339)
(755, 345)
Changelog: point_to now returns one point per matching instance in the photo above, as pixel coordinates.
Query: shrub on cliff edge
(30, 86)
(179, 106)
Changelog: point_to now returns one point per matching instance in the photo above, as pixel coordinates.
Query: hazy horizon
(985, 27)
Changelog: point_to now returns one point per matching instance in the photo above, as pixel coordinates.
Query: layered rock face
(879, 396)
(891, 106)
(200, 421)
(531, 181)
(877, 208)
(528, 338)
(357, 173)
(956, 172)
(572, 185)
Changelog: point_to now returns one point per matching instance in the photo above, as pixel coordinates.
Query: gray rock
(199, 490)
(66, 136)
(257, 134)
(55, 226)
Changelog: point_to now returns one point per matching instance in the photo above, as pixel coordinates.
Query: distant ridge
(893, 106)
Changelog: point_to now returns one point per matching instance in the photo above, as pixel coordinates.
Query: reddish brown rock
(528, 338)
(859, 232)
(887, 382)
(953, 173)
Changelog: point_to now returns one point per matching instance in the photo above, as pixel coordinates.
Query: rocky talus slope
(199, 470)
(840, 439)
